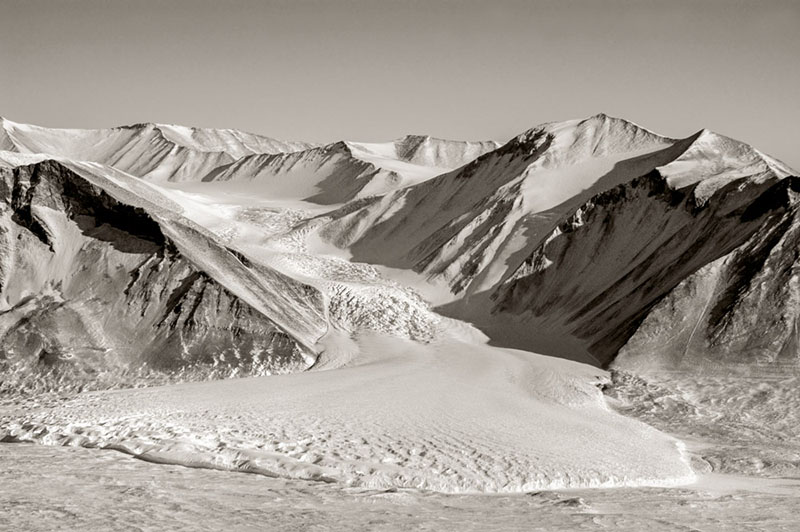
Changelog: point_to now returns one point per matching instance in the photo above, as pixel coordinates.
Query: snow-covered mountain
(151, 151)
(562, 240)
(344, 171)
(151, 252)
(597, 274)
(464, 226)
(100, 272)
(576, 239)
(103, 270)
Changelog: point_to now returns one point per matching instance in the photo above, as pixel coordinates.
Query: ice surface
(735, 420)
(47, 488)
(453, 416)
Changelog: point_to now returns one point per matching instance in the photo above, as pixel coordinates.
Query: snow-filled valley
(589, 305)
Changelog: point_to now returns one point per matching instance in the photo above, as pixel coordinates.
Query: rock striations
(99, 273)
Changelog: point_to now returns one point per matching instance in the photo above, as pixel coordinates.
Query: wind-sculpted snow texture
(451, 416)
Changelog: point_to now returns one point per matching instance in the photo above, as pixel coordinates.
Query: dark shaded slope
(602, 270)
(90, 285)
(741, 309)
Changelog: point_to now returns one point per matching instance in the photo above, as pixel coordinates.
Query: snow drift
(453, 416)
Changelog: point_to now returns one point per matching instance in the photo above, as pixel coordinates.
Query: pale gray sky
(358, 70)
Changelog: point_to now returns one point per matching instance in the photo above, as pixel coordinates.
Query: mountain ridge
(501, 234)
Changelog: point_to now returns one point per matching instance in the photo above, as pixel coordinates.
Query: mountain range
(215, 252)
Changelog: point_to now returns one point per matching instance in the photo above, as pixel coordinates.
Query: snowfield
(451, 416)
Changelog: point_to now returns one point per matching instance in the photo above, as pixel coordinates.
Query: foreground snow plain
(451, 416)
(110, 491)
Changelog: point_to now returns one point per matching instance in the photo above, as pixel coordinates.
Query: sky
(375, 70)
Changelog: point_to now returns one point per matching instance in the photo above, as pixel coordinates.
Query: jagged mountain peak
(583, 125)
(707, 141)
(706, 156)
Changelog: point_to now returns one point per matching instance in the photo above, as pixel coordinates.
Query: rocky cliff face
(740, 309)
(606, 270)
(92, 284)
(601, 270)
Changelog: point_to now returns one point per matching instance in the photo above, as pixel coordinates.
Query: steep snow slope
(468, 226)
(231, 141)
(99, 274)
(600, 272)
(325, 175)
(149, 151)
(417, 158)
(344, 171)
